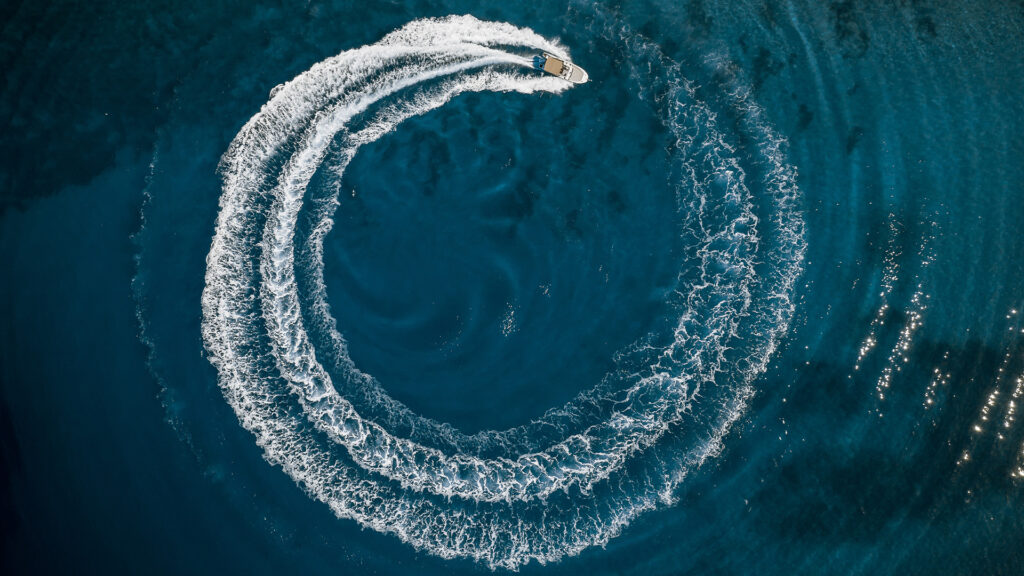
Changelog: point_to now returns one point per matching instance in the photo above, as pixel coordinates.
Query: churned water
(352, 288)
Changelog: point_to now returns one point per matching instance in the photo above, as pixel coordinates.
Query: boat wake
(575, 477)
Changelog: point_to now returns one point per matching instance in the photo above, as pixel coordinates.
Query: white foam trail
(581, 459)
(540, 504)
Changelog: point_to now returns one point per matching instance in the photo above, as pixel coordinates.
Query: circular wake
(573, 478)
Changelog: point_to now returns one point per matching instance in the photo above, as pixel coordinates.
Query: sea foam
(542, 496)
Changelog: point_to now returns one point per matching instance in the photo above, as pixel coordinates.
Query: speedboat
(560, 67)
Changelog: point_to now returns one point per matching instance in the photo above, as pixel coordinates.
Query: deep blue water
(769, 256)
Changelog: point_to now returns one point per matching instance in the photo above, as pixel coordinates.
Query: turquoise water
(348, 288)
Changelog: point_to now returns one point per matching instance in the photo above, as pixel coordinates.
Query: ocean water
(349, 288)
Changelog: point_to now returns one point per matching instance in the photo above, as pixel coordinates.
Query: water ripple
(501, 497)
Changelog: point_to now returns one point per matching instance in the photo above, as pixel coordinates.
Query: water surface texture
(350, 288)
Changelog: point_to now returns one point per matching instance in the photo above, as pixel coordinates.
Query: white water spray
(542, 503)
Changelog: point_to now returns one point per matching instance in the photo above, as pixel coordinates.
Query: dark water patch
(765, 65)
(849, 29)
(572, 225)
(513, 205)
(805, 117)
(616, 202)
(10, 471)
(698, 19)
(853, 138)
(85, 80)
(923, 19)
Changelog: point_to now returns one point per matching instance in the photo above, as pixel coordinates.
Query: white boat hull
(562, 68)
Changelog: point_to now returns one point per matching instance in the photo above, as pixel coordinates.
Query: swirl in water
(576, 476)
